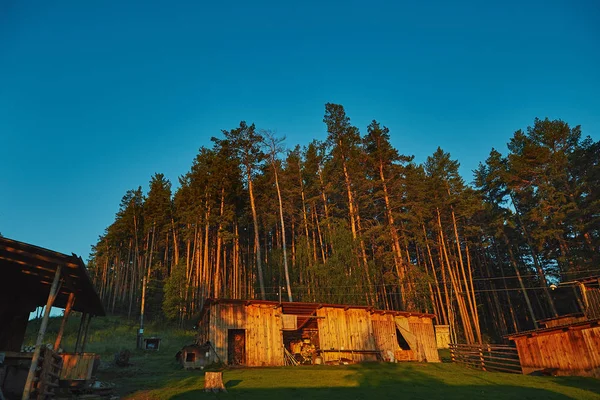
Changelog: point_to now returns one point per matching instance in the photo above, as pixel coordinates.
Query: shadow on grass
(445, 356)
(375, 381)
(591, 384)
(232, 383)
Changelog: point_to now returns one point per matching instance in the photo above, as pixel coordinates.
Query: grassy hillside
(156, 375)
(108, 335)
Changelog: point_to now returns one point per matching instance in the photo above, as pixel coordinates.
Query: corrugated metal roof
(25, 267)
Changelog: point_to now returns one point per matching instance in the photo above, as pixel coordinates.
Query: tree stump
(213, 381)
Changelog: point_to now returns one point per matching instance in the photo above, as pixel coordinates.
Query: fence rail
(487, 357)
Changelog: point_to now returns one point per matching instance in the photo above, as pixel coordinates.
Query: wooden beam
(64, 320)
(85, 334)
(40, 337)
(80, 331)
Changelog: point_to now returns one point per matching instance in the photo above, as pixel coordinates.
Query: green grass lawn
(156, 375)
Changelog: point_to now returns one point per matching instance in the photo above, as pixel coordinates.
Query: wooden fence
(487, 357)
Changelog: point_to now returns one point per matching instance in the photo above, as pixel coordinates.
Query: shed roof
(590, 279)
(25, 267)
(590, 323)
(571, 315)
(300, 308)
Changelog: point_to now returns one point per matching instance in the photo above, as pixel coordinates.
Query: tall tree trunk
(257, 253)
(325, 206)
(397, 252)
(464, 314)
(518, 273)
(305, 220)
(536, 261)
(322, 245)
(285, 261)
(175, 243)
(217, 282)
(444, 314)
(372, 294)
(206, 284)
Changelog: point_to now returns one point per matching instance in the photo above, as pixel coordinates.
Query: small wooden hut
(568, 344)
(572, 349)
(31, 277)
(268, 333)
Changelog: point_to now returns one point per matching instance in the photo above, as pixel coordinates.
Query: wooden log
(213, 382)
(80, 331)
(64, 321)
(40, 337)
(85, 332)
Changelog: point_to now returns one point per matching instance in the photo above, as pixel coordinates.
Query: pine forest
(352, 220)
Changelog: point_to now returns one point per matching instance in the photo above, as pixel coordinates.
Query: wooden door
(236, 344)
(385, 337)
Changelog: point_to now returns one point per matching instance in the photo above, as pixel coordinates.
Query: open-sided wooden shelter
(268, 333)
(31, 277)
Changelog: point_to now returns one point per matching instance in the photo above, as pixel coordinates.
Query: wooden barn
(31, 277)
(268, 333)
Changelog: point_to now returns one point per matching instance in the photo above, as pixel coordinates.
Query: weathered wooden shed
(568, 344)
(31, 277)
(567, 349)
(261, 333)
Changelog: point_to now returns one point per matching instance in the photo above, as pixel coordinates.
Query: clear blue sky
(96, 96)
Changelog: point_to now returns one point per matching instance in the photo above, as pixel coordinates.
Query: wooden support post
(85, 333)
(80, 332)
(481, 359)
(64, 321)
(585, 299)
(40, 337)
(140, 335)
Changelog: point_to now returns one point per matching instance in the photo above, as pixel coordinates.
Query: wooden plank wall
(442, 336)
(593, 298)
(358, 329)
(203, 329)
(263, 326)
(571, 352)
(350, 329)
(384, 330)
(422, 328)
(77, 366)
